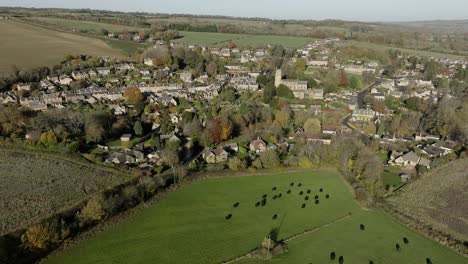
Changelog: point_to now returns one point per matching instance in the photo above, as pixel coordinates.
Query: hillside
(27, 46)
(439, 199)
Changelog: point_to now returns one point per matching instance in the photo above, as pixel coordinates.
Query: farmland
(28, 46)
(35, 185)
(380, 47)
(220, 219)
(439, 199)
(207, 38)
(77, 25)
(263, 40)
(213, 39)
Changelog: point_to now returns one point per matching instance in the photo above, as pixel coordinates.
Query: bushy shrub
(269, 159)
(332, 256)
(94, 210)
(115, 203)
(41, 236)
(236, 164)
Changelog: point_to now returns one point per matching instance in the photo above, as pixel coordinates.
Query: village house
(364, 115)
(104, 71)
(8, 98)
(72, 97)
(126, 137)
(258, 145)
(78, 75)
(117, 109)
(185, 76)
(214, 156)
(409, 159)
(23, 87)
(52, 98)
(65, 80)
(317, 63)
(148, 61)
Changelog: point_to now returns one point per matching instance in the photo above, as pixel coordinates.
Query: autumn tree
(48, 138)
(343, 79)
(133, 95)
(220, 129)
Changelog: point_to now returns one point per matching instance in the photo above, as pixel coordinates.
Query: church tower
(278, 77)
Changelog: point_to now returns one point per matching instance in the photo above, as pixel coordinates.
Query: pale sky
(361, 10)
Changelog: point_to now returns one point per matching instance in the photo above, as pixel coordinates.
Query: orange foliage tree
(220, 129)
(133, 94)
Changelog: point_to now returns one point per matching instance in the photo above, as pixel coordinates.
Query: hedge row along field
(220, 219)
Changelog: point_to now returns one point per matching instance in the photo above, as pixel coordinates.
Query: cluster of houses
(430, 148)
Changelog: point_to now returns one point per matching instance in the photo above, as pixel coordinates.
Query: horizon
(375, 11)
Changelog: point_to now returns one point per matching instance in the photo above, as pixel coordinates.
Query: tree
(269, 92)
(283, 117)
(133, 95)
(94, 210)
(228, 94)
(236, 164)
(220, 129)
(212, 69)
(284, 91)
(138, 128)
(41, 236)
(171, 158)
(159, 55)
(48, 138)
(355, 83)
(269, 159)
(312, 126)
(98, 125)
(343, 79)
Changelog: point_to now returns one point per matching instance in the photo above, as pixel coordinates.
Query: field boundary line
(306, 232)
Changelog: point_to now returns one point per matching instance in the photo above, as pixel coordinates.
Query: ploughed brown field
(34, 186)
(439, 198)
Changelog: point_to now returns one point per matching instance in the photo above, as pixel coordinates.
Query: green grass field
(263, 40)
(214, 39)
(28, 46)
(380, 47)
(206, 38)
(189, 226)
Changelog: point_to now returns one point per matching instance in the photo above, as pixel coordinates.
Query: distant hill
(438, 25)
(438, 199)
